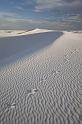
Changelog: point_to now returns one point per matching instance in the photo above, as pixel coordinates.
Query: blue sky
(51, 14)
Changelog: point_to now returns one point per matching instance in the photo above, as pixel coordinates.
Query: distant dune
(41, 77)
(11, 33)
(15, 46)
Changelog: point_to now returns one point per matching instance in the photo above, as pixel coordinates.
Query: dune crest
(11, 33)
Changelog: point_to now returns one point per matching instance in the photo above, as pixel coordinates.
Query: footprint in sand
(34, 91)
(55, 72)
(11, 106)
(30, 92)
(66, 59)
(75, 51)
(43, 78)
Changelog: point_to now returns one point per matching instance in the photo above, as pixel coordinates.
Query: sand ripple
(43, 89)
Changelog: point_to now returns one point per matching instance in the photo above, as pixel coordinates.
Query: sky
(50, 14)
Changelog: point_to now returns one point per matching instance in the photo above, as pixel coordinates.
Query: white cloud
(13, 22)
(46, 4)
(19, 8)
(42, 5)
(7, 14)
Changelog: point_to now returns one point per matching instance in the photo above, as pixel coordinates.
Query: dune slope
(46, 87)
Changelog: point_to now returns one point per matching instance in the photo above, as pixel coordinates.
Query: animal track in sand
(11, 106)
(34, 91)
(43, 78)
(74, 51)
(66, 59)
(40, 91)
(55, 72)
(30, 92)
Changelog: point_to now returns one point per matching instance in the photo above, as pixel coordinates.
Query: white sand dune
(46, 86)
(11, 33)
(18, 45)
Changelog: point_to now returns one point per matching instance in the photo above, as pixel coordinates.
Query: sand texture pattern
(46, 87)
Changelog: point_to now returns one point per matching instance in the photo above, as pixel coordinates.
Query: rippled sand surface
(46, 87)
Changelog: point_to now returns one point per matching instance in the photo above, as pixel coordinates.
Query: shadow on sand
(11, 46)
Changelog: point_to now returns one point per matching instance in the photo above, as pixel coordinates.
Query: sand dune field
(41, 78)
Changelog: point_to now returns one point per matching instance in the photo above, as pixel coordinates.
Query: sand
(11, 33)
(45, 86)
